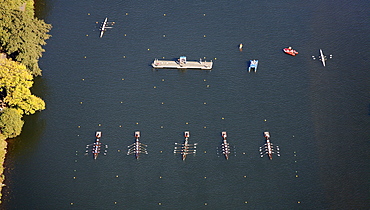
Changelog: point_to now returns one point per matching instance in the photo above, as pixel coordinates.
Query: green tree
(22, 36)
(11, 123)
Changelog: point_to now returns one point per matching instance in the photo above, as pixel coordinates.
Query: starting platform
(182, 63)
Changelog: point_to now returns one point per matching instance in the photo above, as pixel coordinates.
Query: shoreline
(3, 151)
(28, 7)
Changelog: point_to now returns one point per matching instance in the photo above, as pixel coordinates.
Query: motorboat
(290, 51)
(253, 64)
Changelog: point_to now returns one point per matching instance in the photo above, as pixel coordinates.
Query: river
(318, 116)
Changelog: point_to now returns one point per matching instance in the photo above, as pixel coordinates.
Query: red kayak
(290, 51)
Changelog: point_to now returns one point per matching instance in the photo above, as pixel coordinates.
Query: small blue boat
(253, 65)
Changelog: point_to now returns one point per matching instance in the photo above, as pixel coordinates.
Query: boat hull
(253, 64)
(290, 51)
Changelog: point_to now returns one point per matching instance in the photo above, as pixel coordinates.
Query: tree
(11, 4)
(22, 36)
(16, 81)
(10, 123)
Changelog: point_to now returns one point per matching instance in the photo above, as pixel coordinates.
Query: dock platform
(181, 63)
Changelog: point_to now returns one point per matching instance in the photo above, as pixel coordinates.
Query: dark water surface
(319, 116)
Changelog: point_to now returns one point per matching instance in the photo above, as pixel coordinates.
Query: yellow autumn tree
(15, 84)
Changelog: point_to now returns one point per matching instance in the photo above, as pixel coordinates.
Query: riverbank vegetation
(22, 36)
